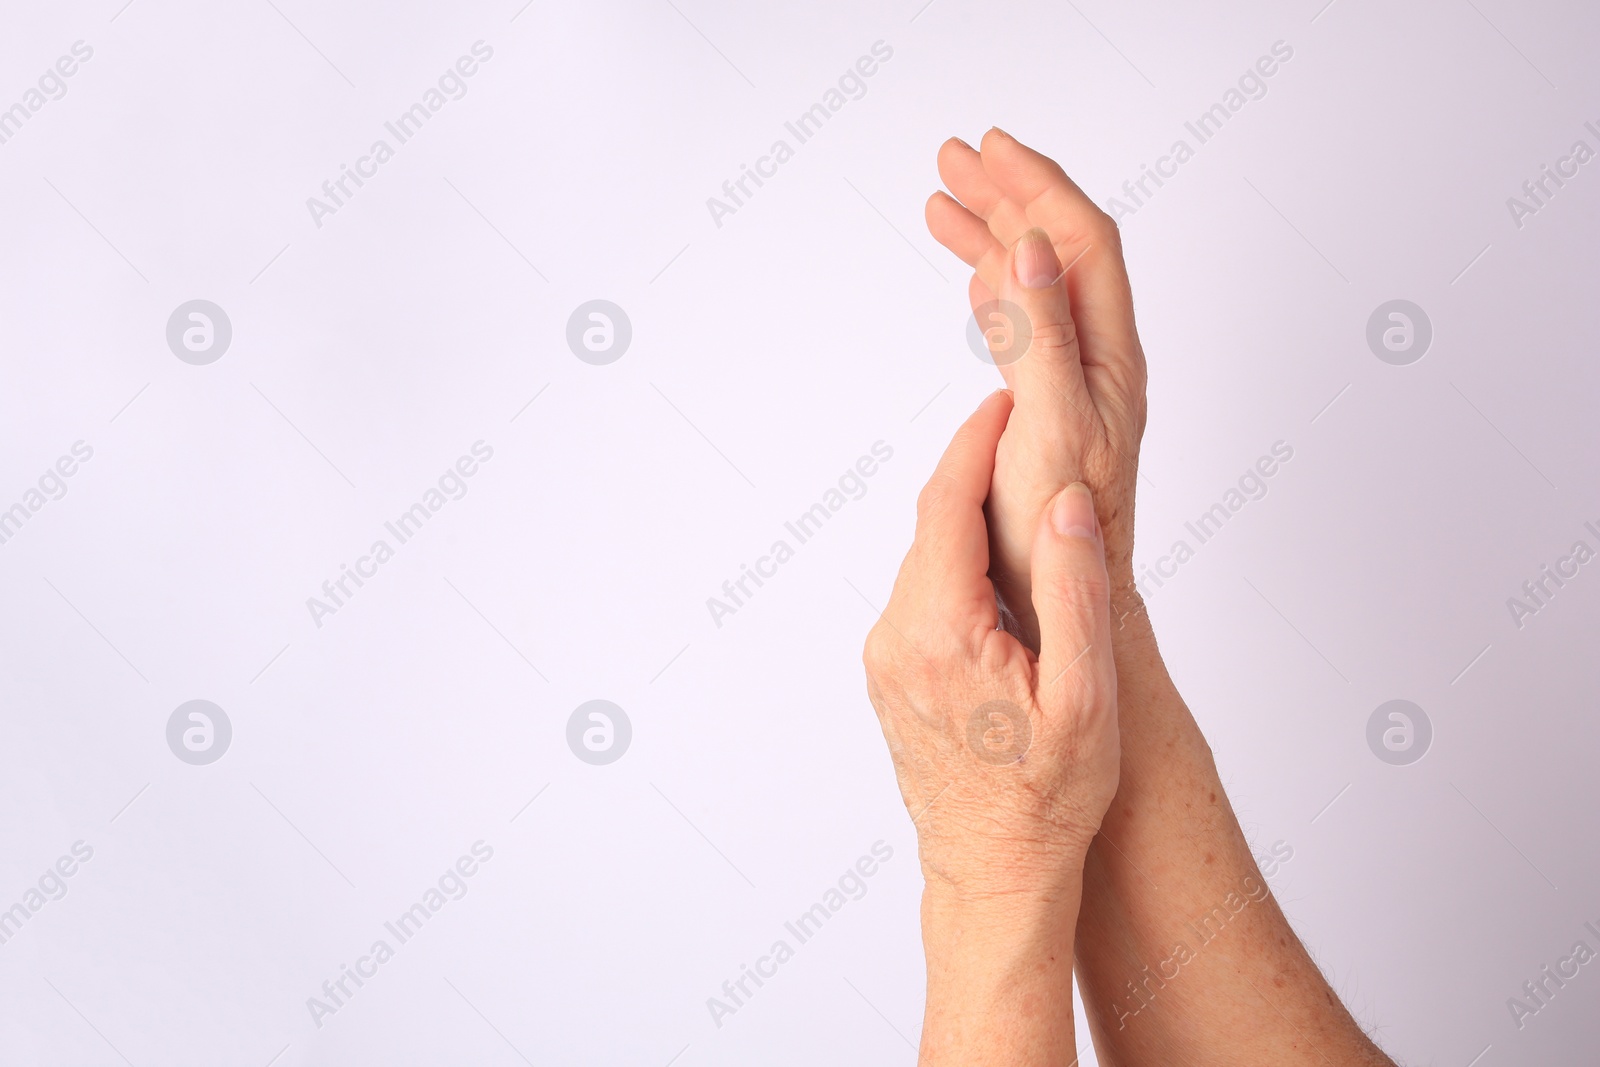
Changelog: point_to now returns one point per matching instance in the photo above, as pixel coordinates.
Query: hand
(1036, 240)
(1005, 759)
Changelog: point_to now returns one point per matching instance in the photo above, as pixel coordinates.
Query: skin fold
(1108, 845)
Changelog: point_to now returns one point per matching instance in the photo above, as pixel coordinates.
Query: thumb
(1035, 284)
(1071, 596)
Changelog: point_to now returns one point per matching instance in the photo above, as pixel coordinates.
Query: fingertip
(996, 412)
(956, 148)
(1072, 513)
(1000, 398)
(1034, 260)
(941, 205)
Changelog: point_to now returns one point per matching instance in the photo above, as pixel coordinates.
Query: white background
(768, 354)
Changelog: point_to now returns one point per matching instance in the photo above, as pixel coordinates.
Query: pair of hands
(991, 669)
(998, 687)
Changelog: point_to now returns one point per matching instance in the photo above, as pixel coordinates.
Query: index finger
(944, 581)
(950, 507)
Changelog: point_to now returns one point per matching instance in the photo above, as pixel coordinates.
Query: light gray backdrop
(373, 741)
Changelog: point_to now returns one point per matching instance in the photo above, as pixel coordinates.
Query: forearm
(999, 980)
(1184, 956)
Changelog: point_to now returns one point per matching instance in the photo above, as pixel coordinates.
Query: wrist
(1018, 870)
(1013, 916)
(999, 977)
(1141, 672)
(1015, 907)
(1129, 618)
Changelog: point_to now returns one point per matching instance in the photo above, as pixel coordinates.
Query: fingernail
(1001, 132)
(1036, 263)
(962, 143)
(1073, 515)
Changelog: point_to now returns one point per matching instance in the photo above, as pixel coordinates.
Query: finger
(1038, 183)
(1045, 348)
(980, 204)
(960, 230)
(950, 508)
(1086, 240)
(968, 236)
(943, 584)
(961, 170)
(979, 294)
(1071, 596)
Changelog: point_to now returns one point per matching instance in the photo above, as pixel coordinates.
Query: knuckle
(889, 660)
(1103, 229)
(875, 654)
(1089, 690)
(1058, 337)
(934, 498)
(1082, 590)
